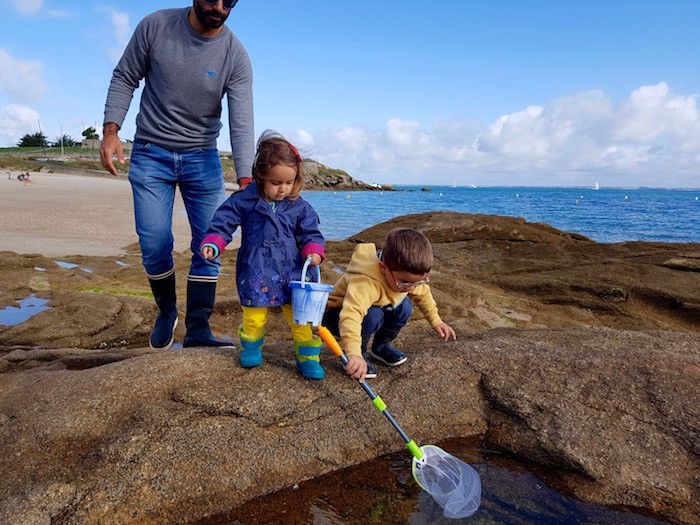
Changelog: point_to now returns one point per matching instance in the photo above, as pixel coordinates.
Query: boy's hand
(356, 367)
(445, 331)
(315, 259)
(207, 252)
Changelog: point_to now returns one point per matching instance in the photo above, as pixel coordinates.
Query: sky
(489, 93)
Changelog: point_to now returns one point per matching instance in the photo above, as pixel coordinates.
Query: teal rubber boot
(251, 355)
(308, 362)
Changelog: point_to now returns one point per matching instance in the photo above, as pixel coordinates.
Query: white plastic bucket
(309, 299)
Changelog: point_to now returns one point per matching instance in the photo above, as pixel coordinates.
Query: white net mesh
(454, 484)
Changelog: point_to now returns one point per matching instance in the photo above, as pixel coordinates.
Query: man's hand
(111, 146)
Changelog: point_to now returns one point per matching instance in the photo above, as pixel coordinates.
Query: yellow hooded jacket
(364, 285)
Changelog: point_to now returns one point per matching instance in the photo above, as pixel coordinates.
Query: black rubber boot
(200, 305)
(166, 299)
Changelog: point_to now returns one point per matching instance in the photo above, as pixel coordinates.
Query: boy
(372, 298)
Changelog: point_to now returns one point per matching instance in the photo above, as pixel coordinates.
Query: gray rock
(583, 357)
(173, 436)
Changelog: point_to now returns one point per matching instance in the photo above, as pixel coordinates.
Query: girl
(279, 230)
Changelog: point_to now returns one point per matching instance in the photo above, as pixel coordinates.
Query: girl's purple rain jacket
(274, 244)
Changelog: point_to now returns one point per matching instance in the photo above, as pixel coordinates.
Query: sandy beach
(60, 214)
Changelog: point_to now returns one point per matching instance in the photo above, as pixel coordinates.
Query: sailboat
(596, 186)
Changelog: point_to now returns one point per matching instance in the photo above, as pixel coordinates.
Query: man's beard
(206, 20)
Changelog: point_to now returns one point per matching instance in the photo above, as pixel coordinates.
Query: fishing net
(453, 484)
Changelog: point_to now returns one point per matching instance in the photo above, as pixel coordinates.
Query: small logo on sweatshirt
(211, 74)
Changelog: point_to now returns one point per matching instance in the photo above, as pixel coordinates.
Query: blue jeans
(153, 174)
(377, 318)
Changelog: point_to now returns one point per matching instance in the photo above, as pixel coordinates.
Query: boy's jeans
(154, 172)
(390, 319)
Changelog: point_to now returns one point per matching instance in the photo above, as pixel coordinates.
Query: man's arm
(130, 70)
(241, 121)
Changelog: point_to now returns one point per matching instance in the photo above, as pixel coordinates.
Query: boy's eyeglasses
(401, 285)
(228, 4)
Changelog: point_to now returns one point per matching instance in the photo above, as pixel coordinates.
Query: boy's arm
(423, 299)
(426, 304)
(359, 296)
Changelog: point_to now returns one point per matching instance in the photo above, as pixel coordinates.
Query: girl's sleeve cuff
(313, 247)
(215, 242)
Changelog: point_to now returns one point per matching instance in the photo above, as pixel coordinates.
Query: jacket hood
(364, 261)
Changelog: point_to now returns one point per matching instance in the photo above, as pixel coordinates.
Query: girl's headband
(296, 152)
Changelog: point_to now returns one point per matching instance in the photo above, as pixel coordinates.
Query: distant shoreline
(60, 214)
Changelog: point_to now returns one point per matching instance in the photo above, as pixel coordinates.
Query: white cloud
(36, 7)
(15, 122)
(303, 138)
(403, 133)
(28, 7)
(650, 133)
(652, 112)
(121, 32)
(54, 13)
(20, 80)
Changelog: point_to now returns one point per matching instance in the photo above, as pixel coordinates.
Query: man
(189, 60)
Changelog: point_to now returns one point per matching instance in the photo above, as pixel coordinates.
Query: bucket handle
(303, 271)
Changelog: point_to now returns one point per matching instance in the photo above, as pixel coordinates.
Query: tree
(37, 140)
(91, 133)
(64, 140)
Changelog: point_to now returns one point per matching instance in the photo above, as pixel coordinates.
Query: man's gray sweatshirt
(187, 76)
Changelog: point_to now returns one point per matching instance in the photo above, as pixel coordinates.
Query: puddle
(39, 269)
(86, 270)
(384, 491)
(67, 265)
(338, 270)
(14, 315)
(123, 264)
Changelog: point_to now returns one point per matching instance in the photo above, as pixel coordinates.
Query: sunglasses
(228, 4)
(401, 285)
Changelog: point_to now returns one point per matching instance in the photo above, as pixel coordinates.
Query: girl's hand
(445, 331)
(356, 367)
(315, 259)
(207, 252)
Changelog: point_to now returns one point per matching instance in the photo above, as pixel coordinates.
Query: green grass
(118, 291)
(14, 163)
(25, 159)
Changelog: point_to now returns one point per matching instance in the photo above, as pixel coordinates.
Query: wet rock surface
(581, 356)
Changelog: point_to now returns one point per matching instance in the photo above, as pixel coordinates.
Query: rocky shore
(583, 357)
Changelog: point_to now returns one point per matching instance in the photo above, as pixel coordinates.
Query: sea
(606, 215)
